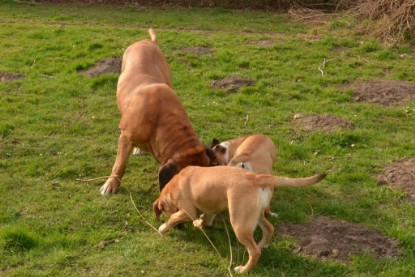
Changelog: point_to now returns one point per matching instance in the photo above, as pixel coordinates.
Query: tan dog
(211, 190)
(255, 153)
(152, 117)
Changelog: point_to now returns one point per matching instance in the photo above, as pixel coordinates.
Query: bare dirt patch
(336, 240)
(232, 83)
(104, 66)
(384, 92)
(324, 123)
(401, 175)
(8, 76)
(198, 50)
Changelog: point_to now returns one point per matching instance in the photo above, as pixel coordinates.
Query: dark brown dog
(152, 117)
(211, 190)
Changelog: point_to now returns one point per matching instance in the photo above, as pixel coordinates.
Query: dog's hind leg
(114, 181)
(244, 230)
(267, 231)
(178, 217)
(247, 239)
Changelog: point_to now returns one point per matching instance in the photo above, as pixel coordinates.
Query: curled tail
(152, 35)
(264, 180)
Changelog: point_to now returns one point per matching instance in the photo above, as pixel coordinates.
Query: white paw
(137, 151)
(162, 228)
(239, 269)
(274, 215)
(110, 186)
(198, 223)
(106, 189)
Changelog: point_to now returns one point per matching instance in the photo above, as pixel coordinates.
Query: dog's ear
(158, 208)
(166, 173)
(213, 159)
(214, 143)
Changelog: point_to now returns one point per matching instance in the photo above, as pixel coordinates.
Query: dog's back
(143, 64)
(256, 153)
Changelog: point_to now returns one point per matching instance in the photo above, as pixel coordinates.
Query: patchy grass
(57, 125)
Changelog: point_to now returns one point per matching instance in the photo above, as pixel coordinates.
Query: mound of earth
(324, 123)
(198, 50)
(262, 43)
(325, 238)
(232, 83)
(401, 175)
(8, 76)
(104, 66)
(384, 92)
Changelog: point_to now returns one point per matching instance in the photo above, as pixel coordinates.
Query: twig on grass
(230, 248)
(246, 119)
(98, 178)
(323, 65)
(141, 215)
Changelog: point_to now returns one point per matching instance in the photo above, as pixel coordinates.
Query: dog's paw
(138, 152)
(163, 228)
(239, 269)
(273, 214)
(198, 223)
(110, 186)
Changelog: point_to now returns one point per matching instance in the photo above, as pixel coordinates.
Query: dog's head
(212, 156)
(220, 151)
(164, 205)
(167, 171)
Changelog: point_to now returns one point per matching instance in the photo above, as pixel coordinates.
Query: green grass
(57, 125)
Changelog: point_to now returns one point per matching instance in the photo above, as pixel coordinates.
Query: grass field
(57, 126)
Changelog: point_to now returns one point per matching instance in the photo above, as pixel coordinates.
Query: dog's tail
(152, 35)
(265, 180)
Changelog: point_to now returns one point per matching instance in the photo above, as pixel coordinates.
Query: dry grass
(394, 19)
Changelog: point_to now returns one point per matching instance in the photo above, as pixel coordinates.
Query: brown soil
(262, 43)
(198, 50)
(8, 77)
(324, 123)
(232, 83)
(384, 92)
(104, 66)
(325, 238)
(401, 175)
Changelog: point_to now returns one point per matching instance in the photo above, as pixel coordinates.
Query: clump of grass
(17, 240)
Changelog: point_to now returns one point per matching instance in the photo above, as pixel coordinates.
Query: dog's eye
(242, 165)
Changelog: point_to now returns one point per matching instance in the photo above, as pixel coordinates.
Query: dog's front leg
(176, 218)
(114, 181)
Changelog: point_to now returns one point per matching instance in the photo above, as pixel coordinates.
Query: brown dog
(211, 190)
(152, 117)
(255, 153)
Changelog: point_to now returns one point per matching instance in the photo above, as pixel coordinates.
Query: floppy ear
(158, 208)
(214, 143)
(212, 155)
(166, 173)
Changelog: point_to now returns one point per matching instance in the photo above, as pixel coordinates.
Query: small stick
(246, 120)
(323, 65)
(99, 178)
(230, 248)
(141, 215)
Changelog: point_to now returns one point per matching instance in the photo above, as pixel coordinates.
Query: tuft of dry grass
(394, 19)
